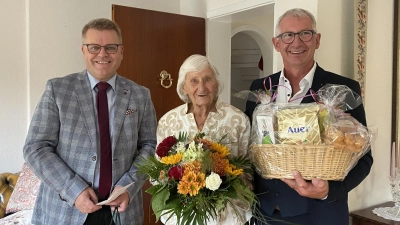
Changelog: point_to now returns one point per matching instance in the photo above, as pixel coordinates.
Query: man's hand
(317, 188)
(86, 201)
(121, 202)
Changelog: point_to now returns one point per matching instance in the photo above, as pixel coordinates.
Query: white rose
(213, 181)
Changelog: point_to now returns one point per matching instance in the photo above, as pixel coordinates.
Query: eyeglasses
(95, 49)
(288, 37)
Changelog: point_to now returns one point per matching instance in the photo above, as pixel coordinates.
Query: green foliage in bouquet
(196, 179)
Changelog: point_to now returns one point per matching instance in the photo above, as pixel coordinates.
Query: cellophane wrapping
(318, 139)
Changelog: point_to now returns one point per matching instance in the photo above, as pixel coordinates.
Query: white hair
(298, 13)
(195, 63)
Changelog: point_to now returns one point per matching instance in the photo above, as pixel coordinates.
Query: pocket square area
(129, 111)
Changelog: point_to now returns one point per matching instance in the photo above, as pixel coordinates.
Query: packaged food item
(347, 134)
(299, 125)
(265, 126)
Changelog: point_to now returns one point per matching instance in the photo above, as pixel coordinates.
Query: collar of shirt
(94, 81)
(285, 90)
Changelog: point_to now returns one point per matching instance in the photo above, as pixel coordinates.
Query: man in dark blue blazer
(315, 202)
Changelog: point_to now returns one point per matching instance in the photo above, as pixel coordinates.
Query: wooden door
(156, 41)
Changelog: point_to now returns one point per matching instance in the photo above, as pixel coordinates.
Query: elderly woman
(199, 86)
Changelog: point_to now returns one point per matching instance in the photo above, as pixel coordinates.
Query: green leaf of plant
(154, 189)
(158, 201)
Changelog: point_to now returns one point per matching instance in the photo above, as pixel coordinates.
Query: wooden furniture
(7, 184)
(367, 217)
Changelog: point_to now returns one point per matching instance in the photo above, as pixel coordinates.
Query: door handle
(165, 76)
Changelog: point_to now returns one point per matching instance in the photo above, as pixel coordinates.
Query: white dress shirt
(285, 90)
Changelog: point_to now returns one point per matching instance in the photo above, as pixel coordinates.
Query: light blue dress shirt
(111, 100)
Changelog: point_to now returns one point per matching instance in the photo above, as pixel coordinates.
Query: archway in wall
(247, 48)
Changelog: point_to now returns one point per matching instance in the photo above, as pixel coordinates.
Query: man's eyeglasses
(95, 49)
(288, 37)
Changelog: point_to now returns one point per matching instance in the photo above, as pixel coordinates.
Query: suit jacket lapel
(274, 81)
(122, 96)
(271, 80)
(319, 80)
(85, 101)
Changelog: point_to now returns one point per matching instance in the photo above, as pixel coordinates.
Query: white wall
(13, 85)
(212, 4)
(378, 96)
(336, 24)
(193, 8)
(218, 50)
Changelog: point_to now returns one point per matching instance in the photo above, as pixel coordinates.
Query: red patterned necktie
(105, 141)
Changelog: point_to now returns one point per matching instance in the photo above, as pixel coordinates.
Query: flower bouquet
(194, 180)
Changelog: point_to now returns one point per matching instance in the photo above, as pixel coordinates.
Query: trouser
(277, 219)
(102, 216)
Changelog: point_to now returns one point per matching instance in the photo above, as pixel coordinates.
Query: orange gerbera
(183, 188)
(201, 179)
(191, 183)
(193, 188)
(188, 176)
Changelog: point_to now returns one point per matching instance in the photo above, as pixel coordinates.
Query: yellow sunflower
(231, 169)
(222, 150)
(172, 159)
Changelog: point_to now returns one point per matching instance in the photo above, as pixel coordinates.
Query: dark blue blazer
(273, 192)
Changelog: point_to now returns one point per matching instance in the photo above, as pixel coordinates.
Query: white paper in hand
(115, 195)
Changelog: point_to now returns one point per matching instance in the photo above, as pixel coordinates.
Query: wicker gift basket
(318, 140)
(321, 161)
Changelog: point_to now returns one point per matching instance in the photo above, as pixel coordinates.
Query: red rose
(165, 146)
(162, 151)
(176, 172)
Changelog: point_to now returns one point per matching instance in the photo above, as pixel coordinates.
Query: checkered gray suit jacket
(61, 146)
